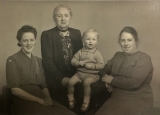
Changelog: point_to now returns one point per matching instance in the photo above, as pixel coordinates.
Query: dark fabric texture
(53, 55)
(132, 93)
(54, 62)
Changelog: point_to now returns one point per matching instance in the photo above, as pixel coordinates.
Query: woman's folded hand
(48, 101)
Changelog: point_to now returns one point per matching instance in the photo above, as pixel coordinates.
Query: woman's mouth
(28, 47)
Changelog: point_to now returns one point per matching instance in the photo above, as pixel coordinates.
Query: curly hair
(25, 29)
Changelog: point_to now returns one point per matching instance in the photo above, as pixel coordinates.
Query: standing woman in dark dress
(130, 73)
(58, 45)
(25, 77)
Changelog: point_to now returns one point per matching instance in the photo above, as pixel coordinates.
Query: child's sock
(106, 85)
(70, 97)
(86, 99)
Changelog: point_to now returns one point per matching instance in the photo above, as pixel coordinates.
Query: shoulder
(49, 31)
(97, 52)
(118, 53)
(79, 51)
(73, 30)
(14, 56)
(143, 55)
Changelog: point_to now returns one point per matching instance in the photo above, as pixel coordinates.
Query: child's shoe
(85, 106)
(72, 104)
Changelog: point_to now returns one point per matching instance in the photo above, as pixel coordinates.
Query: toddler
(88, 62)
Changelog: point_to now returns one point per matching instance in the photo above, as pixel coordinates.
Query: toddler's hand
(81, 63)
(88, 66)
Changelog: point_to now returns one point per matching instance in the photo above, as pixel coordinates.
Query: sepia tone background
(107, 17)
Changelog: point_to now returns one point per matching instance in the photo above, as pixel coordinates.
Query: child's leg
(72, 81)
(87, 93)
(86, 85)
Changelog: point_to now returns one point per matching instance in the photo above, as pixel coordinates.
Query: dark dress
(27, 73)
(53, 54)
(132, 93)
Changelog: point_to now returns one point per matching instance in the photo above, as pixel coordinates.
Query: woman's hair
(130, 30)
(90, 30)
(62, 6)
(25, 29)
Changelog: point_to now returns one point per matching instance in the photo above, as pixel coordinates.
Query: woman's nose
(63, 17)
(29, 42)
(126, 43)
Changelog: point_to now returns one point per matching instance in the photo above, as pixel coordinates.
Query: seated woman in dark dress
(25, 77)
(130, 73)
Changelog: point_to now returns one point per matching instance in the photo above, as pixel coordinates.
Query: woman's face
(62, 18)
(27, 42)
(128, 43)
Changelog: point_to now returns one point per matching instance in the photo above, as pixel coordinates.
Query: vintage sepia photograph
(79, 57)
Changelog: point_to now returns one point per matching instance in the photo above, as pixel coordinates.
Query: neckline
(62, 30)
(23, 53)
(131, 54)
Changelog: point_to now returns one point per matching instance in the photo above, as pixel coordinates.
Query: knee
(71, 83)
(86, 83)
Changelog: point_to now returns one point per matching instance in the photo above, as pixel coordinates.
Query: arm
(76, 62)
(47, 56)
(107, 68)
(141, 71)
(99, 62)
(18, 92)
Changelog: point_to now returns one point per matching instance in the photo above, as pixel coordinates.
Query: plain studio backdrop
(107, 17)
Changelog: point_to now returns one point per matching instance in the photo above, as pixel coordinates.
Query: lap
(129, 106)
(23, 107)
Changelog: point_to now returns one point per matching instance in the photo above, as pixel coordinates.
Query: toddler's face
(90, 40)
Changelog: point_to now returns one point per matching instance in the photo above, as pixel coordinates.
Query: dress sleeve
(47, 56)
(107, 67)
(43, 83)
(12, 73)
(139, 74)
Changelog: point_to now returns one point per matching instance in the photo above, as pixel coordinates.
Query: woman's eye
(24, 40)
(66, 15)
(129, 40)
(59, 16)
(32, 40)
(122, 40)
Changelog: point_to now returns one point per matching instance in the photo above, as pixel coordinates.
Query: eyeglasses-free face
(62, 18)
(27, 42)
(128, 43)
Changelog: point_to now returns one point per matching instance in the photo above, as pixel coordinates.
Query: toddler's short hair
(90, 30)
